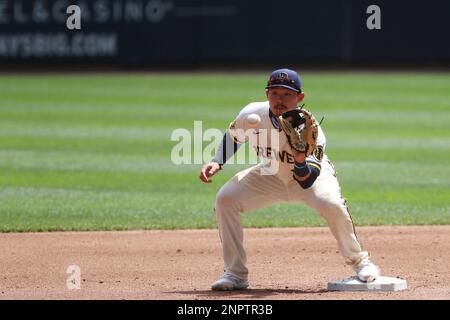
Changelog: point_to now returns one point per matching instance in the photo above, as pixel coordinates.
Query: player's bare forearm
(299, 157)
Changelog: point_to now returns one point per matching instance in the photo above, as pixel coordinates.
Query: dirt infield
(292, 263)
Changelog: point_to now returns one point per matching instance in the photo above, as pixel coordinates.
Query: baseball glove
(301, 129)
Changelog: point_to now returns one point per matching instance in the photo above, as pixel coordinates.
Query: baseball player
(289, 172)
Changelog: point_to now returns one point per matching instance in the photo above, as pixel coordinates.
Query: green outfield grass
(92, 152)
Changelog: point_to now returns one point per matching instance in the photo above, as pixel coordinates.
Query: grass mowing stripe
(83, 161)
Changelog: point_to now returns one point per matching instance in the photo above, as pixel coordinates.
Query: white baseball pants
(249, 190)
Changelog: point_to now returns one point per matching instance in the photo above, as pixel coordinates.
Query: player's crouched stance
(304, 175)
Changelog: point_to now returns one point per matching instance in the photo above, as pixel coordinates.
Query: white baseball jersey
(270, 143)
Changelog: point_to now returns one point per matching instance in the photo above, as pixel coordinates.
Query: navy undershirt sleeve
(226, 149)
(307, 171)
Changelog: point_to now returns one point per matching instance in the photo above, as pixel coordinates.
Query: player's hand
(299, 157)
(209, 170)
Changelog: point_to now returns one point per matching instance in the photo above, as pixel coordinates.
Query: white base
(380, 284)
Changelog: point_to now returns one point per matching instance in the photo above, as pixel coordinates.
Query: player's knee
(330, 205)
(224, 198)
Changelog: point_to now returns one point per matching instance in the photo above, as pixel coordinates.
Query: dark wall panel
(192, 32)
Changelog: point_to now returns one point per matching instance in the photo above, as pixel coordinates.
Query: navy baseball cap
(285, 78)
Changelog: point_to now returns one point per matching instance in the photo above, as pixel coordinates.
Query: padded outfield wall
(196, 32)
